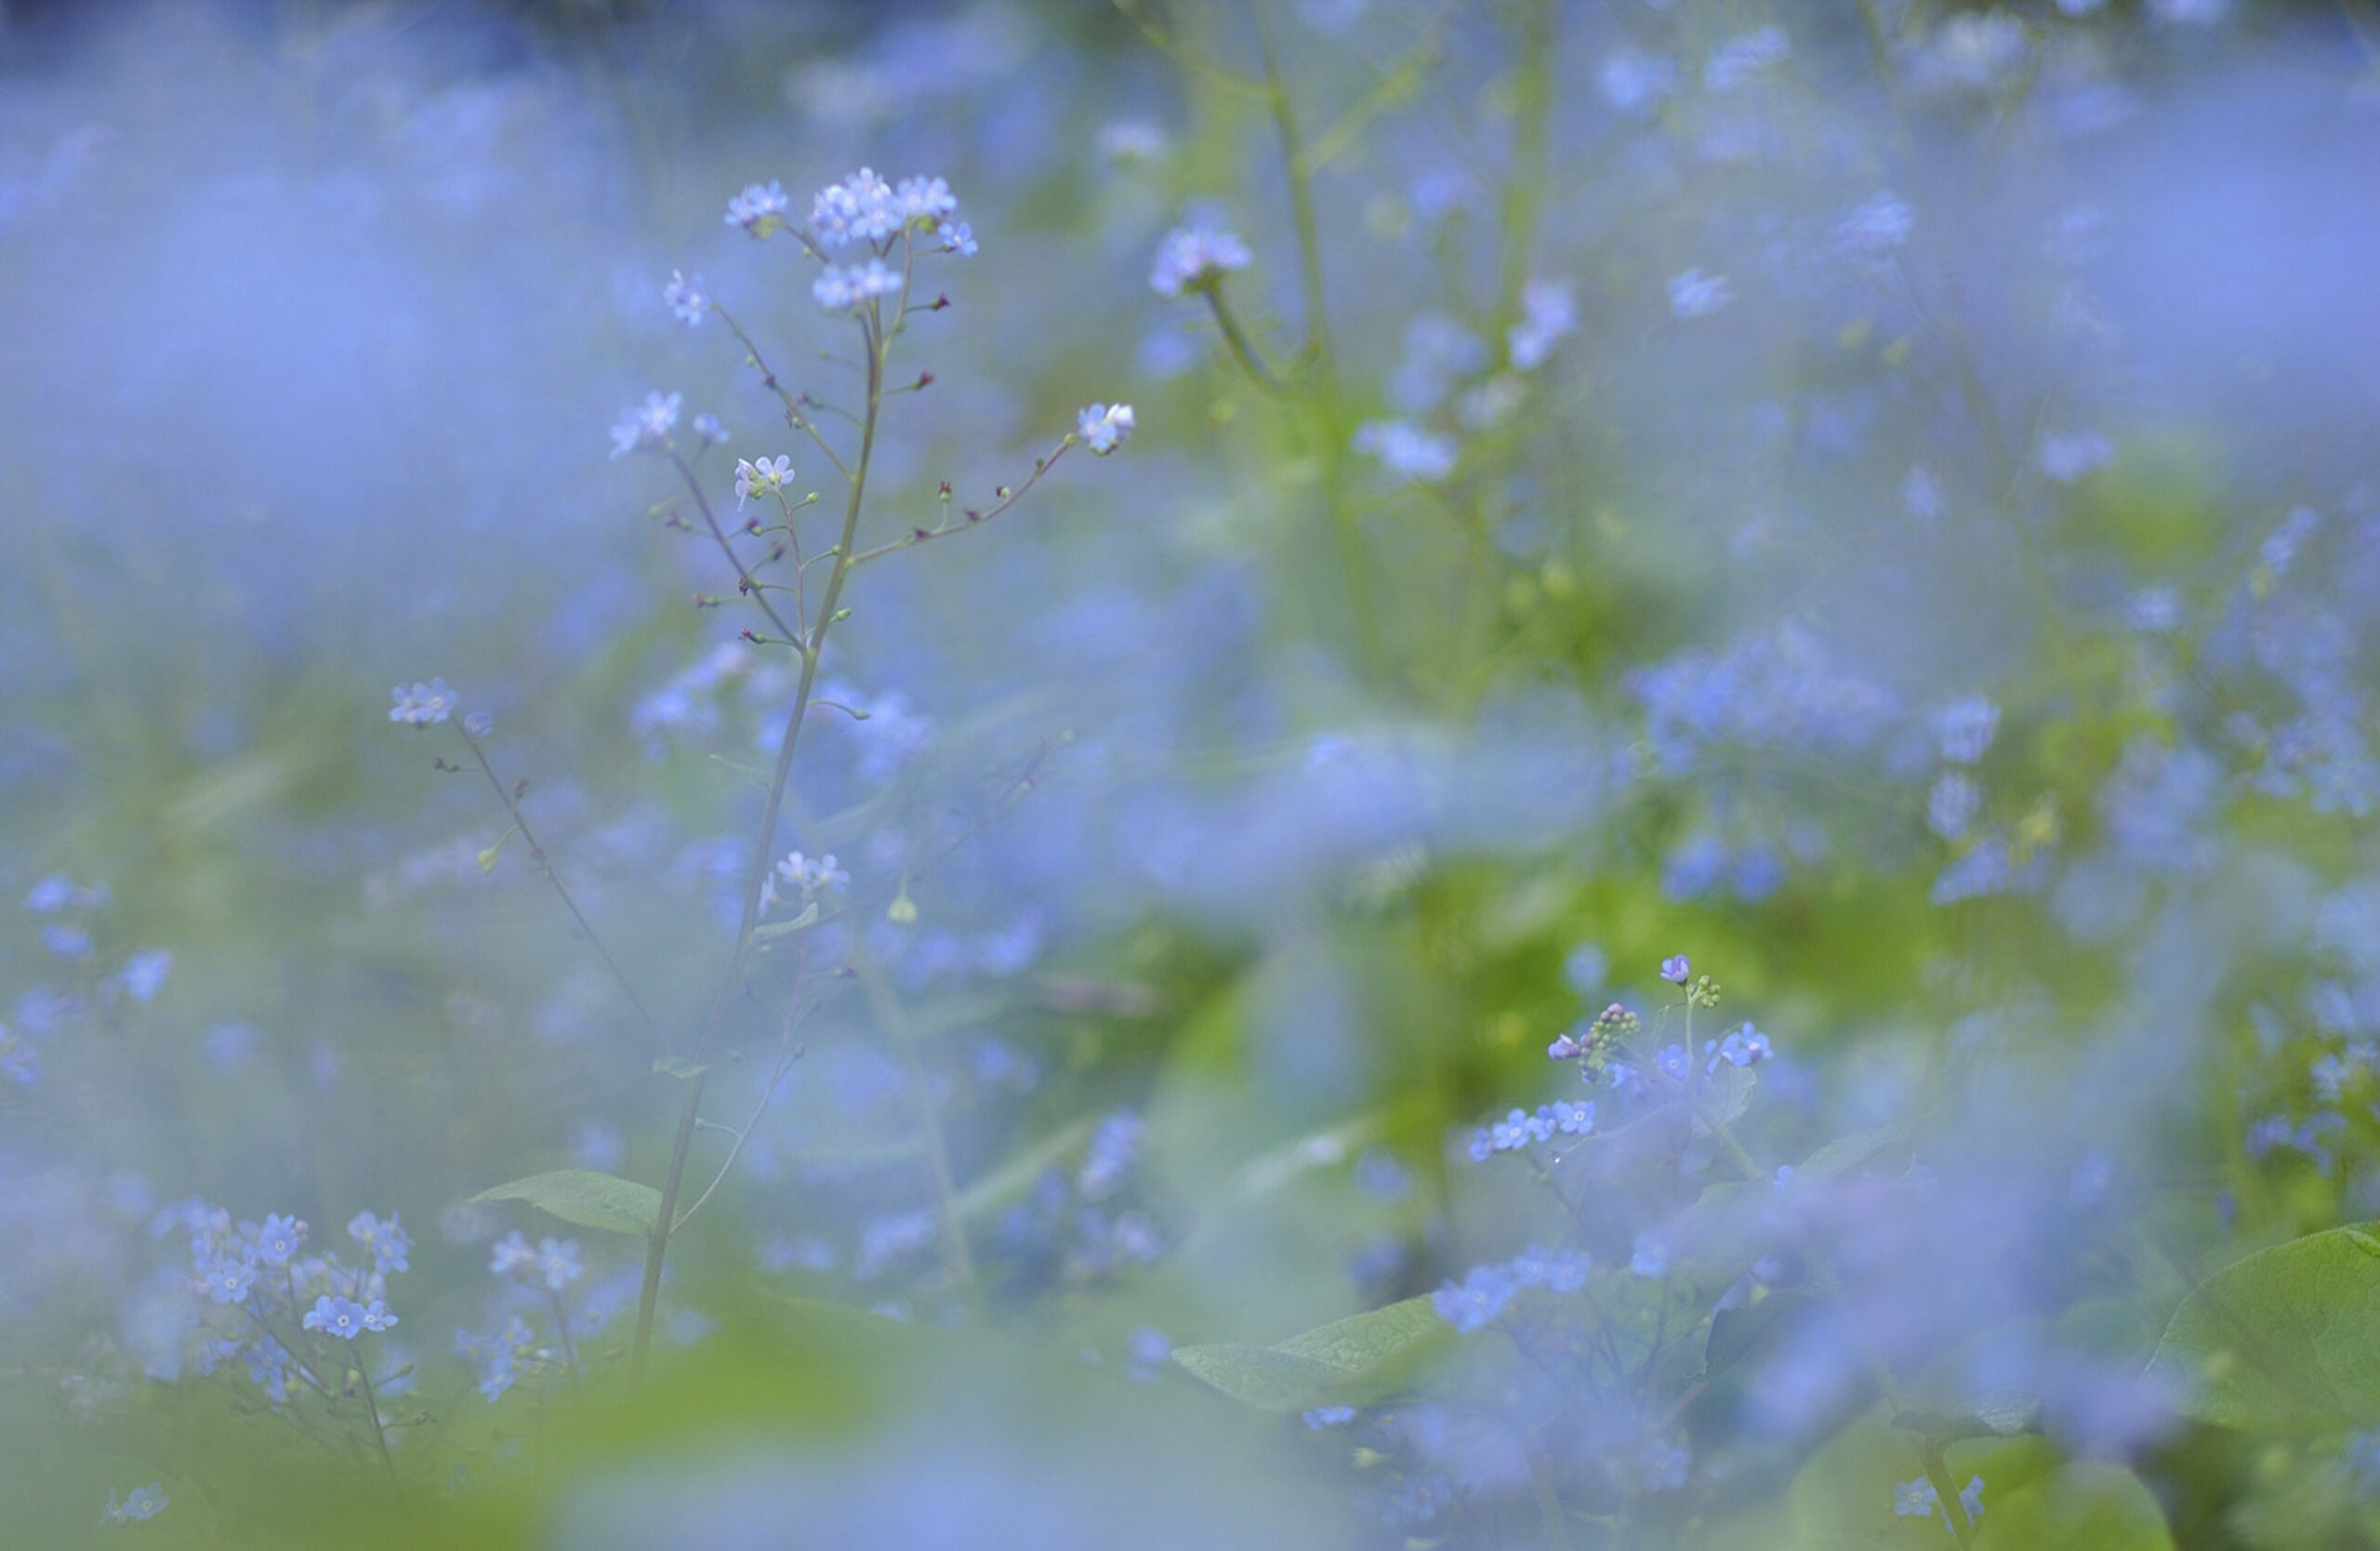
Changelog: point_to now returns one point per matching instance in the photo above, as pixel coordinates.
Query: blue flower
(376, 1316)
(685, 298)
(645, 429)
(1329, 1416)
(1963, 729)
(279, 1238)
(387, 1243)
(1674, 968)
(343, 1317)
(1196, 260)
(759, 209)
(424, 704)
(52, 893)
(1103, 427)
(226, 1280)
(139, 1503)
(144, 972)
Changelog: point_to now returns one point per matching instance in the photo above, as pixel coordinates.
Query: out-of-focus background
(1875, 499)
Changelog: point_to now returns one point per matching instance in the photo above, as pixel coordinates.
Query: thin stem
(894, 1023)
(544, 864)
(1328, 431)
(794, 406)
(746, 582)
(782, 1064)
(756, 875)
(372, 1410)
(1937, 1471)
(974, 519)
(1252, 360)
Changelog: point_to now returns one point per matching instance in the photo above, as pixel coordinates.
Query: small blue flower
(1674, 968)
(53, 894)
(685, 298)
(558, 1264)
(139, 1503)
(279, 1238)
(339, 1317)
(144, 973)
(1329, 1416)
(1650, 1256)
(1914, 1499)
(388, 1243)
(376, 1316)
(1103, 427)
(67, 942)
(423, 705)
(226, 1280)
(1196, 260)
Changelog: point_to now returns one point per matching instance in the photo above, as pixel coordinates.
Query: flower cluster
(1520, 1128)
(765, 477)
(646, 428)
(256, 1294)
(806, 875)
(1917, 1498)
(1481, 1297)
(422, 705)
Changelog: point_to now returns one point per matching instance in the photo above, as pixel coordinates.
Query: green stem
(1329, 428)
(763, 851)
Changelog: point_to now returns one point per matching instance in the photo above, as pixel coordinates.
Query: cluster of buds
(1592, 1045)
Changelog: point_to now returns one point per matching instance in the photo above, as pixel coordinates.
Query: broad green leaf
(2032, 1501)
(588, 1198)
(1349, 1361)
(2287, 1340)
(2075, 1507)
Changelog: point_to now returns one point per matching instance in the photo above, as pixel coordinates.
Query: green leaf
(585, 1198)
(2287, 1340)
(2075, 1507)
(1349, 1362)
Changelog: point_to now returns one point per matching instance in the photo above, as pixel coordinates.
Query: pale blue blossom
(1103, 427)
(685, 298)
(846, 289)
(139, 1503)
(759, 209)
(1407, 450)
(1549, 314)
(1194, 259)
(422, 705)
(646, 428)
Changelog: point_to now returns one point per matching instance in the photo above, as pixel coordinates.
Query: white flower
(647, 427)
(1103, 427)
(764, 478)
